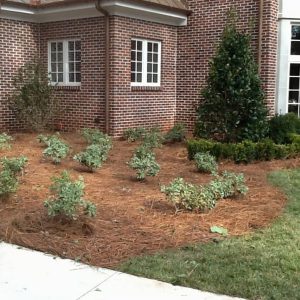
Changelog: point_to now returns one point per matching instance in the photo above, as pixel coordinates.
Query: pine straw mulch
(133, 218)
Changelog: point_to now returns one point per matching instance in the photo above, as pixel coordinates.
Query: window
(145, 62)
(294, 72)
(64, 62)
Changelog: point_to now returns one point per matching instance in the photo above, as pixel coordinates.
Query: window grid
(64, 62)
(145, 62)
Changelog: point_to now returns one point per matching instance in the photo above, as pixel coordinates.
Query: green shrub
(201, 198)
(15, 164)
(56, 149)
(232, 107)
(245, 152)
(153, 138)
(143, 161)
(134, 134)
(32, 99)
(5, 140)
(206, 163)
(8, 183)
(93, 157)
(282, 126)
(176, 134)
(95, 136)
(67, 198)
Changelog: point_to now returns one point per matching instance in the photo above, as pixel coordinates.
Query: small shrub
(8, 183)
(143, 161)
(282, 126)
(5, 140)
(15, 164)
(134, 134)
(201, 198)
(95, 136)
(153, 139)
(206, 163)
(67, 198)
(176, 134)
(245, 152)
(56, 149)
(93, 157)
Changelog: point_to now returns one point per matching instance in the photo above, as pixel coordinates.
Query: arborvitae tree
(233, 106)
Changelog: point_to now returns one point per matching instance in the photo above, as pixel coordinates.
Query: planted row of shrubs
(245, 151)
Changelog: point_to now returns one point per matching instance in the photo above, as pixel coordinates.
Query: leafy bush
(232, 108)
(15, 164)
(33, 99)
(206, 163)
(201, 198)
(153, 138)
(5, 140)
(56, 149)
(176, 134)
(67, 198)
(282, 126)
(95, 136)
(134, 134)
(8, 183)
(93, 157)
(143, 161)
(245, 151)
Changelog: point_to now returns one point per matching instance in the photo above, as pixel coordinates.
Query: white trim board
(89, 10)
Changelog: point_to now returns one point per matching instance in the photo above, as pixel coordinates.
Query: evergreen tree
(233, 106)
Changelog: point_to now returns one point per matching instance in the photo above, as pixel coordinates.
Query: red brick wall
(146, 107)
(18, 44)
(197, 43)
(82, 106)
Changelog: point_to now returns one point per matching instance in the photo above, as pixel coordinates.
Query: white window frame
(144, 82)
(66, 81)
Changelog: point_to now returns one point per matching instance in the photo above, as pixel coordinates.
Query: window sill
(67, 87)
(146, 88)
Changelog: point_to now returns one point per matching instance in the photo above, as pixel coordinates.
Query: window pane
(155, 78)
(293, 109)
(133, 67)
(78, 45)
(149, 78)
(155, 47)
(78, 56)
(133, 45)
(295, 48)
(132, 77)
(294, 83)
(133, 55)
(78, 67)
(60, 57)
(53, 68)
(71, 77)
(71, 56)
(53, 77)
(149, 68)
(60, 46)
(150, 47)
(155, 68)
(293, 97)
(78, 77)
(139, 45)
(295, 70)
(149, 57)
(71, 67)
(296, 32)
(60, 77)
(139, 77)
(139, 56)
(60, 68)
(139, 67)
(71, 46)
(53, 47)
(155, 57)
(53, 57)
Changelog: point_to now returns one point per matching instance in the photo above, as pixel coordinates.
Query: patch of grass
(264, 265)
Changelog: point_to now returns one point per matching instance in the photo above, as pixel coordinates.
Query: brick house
(123, 63)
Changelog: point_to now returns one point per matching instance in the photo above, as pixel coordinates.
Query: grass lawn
(264, 265)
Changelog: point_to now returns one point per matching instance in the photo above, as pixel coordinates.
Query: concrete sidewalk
(32, 275)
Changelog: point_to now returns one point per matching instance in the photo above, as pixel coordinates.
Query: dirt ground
(133, 217)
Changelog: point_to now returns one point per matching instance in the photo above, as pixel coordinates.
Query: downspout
(107, 61)
(260, 34)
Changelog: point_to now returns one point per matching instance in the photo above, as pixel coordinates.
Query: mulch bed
(133, 217)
